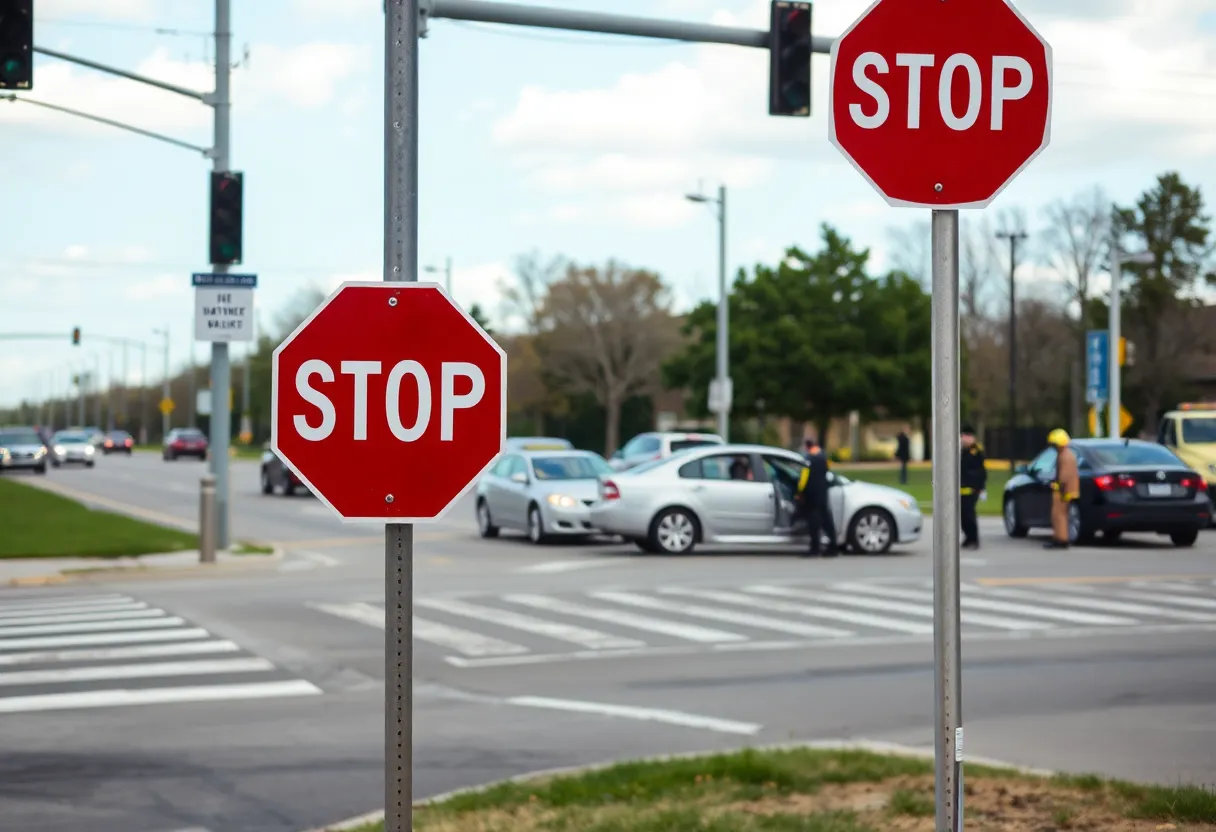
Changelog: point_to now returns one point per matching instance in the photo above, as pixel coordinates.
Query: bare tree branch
(524, 298)
(911, 249)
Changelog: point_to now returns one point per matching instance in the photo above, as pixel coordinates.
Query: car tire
(1013, 523)
(1078, 532)
(1184, 538)
(536, 525)
(267, 485)
(643, 544)
(674, 531)
(485, 524)
(169, 457)
(90, 463)
(872, 531)
(41, 469)
(55, 464)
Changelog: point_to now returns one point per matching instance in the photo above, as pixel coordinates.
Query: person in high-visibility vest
(1065, 488)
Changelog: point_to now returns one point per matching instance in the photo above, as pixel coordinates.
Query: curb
(144, 570)
(889, 749)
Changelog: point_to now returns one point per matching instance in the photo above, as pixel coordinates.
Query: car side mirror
(1022, 469)
(520, 478)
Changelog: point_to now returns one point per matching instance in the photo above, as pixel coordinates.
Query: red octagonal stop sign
(940, 103)
(388, 401)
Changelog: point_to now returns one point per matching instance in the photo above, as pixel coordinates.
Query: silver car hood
(874, 491)
(22, 449)
(578, 489)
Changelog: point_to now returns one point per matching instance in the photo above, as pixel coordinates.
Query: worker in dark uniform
(903, 452)
(973, 480)
(813, 500)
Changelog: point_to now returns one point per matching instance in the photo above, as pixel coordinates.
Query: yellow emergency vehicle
(1190, 432)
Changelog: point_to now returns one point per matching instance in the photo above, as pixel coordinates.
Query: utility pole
(246, 421)
(164, 395)
(96, 379)
(124, 392)
(221, 381)
(447, 274)
(1013, 237)
(193, 379)
(143, 393)
(722, 381)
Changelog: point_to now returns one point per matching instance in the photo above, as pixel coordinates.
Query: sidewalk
(43, 571)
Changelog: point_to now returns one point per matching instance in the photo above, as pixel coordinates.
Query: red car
(118, 442)
(185, 442)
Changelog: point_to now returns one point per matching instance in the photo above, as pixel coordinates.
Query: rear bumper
(1153, 518)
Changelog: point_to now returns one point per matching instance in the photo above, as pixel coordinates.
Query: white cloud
(302, 76)
(113, 9)
(155, 288)
(323, 9)
(1130, 74)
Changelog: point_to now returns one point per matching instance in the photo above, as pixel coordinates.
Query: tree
(606, 331)
(301, 304)
(478, 314)
(1168, 221)
(1077, 237)
(523, 299)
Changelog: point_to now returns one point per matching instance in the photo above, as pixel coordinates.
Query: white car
(743, 495)
(646, 447)
(71, 447)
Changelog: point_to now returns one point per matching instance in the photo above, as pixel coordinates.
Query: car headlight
(910, 505)
(3, 453)
(59, 450)
(88, 449)
(561, 501)
(40, 453)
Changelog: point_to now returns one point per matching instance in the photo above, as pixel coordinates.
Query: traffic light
(226, 223)
(16, 44)
(76, 336)
(789, 47)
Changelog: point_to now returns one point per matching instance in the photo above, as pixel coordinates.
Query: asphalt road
(1095, 659)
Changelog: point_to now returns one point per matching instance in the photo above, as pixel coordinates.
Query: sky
(564, 143)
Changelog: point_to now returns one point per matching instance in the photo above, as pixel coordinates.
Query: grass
(805, 790)
(920, 483)
(39, 524)
(243, 548)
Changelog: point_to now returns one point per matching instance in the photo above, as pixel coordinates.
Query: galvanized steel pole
(723, 346)
(947, 650)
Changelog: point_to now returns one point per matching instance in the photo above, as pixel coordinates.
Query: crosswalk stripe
(848, 601)
(926, 611)
(770, 605)
(763, 622)
(1097, 603)
(464, 641)
(688, 632)
(88, 627)
(7, 612)
(1005, 606)
(67, 601)
(45, 642)
(148, 651)
(74, 617)
(156, 696)
(592, 639)
(1183, 600)
(134, 671)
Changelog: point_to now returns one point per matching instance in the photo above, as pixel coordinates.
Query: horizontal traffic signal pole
(543, 17)
(121, 125)
(122, 73)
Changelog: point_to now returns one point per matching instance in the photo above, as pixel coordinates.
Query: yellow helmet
(1058, 437)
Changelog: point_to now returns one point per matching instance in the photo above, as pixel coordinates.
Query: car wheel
(267, 485)
(55, 464)
(169, 457)
(484, 523)
(41, 469)
(1013, 523)
(1077, 533)
(674, 531)
(536, 525)
(1184, 538)
(872, 531)
(89, 464)
(644, 545)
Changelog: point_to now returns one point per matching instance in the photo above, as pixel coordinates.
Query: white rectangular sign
(223, 307)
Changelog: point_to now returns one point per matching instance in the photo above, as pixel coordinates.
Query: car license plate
(1159, 490)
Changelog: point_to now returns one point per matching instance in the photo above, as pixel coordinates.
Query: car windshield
(1199, 431)
(190, 434)
(69, 439)
(570, 467)
(19, 437)
(1113, 456)
(119, 434)
(685, 444)
(650, 464)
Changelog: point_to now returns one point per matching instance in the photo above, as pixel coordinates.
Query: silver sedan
(543, 493)
(743, 495)
(68, 447)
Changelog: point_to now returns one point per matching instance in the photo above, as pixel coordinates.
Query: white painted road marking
(705, 723)
(688, 632)
(820, 611)
(463, 641)
(762, 622)
(77, 617)
(965, 615)
(86, 627)
(156, 696)
(555, 566)
(186, 648)
(1003, 606)
(135, 671)
(44, 642)
(550, 629)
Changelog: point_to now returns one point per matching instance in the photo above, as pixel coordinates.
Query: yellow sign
(1125, 420)
(166, 406)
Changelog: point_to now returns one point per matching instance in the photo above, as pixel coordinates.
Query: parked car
(537, 443)
(544, 493)
(22, 448)
(184, 442)
(118, 442)
(671, 504)
(276, 476)
(1127, 485)
(72, 448)
(656, 445)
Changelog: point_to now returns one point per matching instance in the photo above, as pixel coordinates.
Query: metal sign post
(400, 263)
(947, 639)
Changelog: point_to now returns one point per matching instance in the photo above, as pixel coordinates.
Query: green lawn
(920, 484)
(38, 524)
(809, 791)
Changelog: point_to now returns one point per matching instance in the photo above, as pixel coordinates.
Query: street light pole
(722, 376)
(143, 393)
(1013, 237)
(164, 396)
(447, 273)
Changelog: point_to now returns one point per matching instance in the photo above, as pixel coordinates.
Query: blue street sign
(1097, 365)
(235, 281)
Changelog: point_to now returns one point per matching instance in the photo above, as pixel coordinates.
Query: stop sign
(388, 402)
(940, 103)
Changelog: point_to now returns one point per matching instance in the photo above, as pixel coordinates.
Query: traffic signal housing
(16, 44)
(226, 219)
(76, 336)
(789, 47)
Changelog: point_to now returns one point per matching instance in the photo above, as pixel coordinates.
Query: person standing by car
(973, 479)
(1065, 488)
(903, 452)
(813, 499)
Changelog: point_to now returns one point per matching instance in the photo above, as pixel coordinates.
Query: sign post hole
(940, 105)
